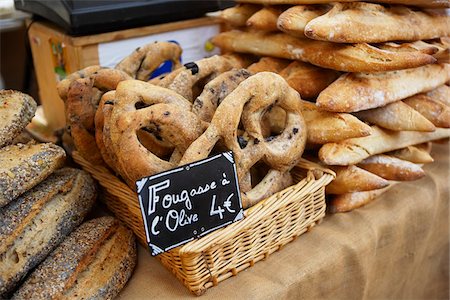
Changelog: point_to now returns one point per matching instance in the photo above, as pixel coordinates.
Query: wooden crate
(52, 47)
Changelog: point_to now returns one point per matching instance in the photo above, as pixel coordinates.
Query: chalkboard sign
(190, 201)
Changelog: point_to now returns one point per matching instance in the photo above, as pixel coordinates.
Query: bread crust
(24, 166)
(351, 201)
(238, 15)
(353, 151)
(354, 92)
(413, 154)
(264, 19)
(361, 22)
(293, 20)
(392, 168)
(435, 111)
(341, 57)
(351, 179)
(34, 224)
(16, 111)
(81, 255)
(396, 116)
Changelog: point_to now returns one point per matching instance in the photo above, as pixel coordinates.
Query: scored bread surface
(24, 166)
(16, 111)
(33, 225)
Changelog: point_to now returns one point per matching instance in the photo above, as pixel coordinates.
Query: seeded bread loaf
(35, 223)
(94, 262)
(16, 111)
(24, 166)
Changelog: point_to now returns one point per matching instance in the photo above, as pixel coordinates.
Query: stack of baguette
(376, 75)
(41, 201)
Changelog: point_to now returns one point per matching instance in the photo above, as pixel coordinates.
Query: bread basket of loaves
(124, 128)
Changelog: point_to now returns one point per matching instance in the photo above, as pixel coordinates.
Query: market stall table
(396, 247)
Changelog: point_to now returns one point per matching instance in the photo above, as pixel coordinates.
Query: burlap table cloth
(396, 247)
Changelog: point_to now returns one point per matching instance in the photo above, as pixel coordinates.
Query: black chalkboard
(190, 201)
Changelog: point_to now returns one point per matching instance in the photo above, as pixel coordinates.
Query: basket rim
(317, 176)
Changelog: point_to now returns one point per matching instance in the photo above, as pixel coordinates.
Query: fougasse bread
(421, 3)
(24, 166)
(361, 22)
(94, 262)
(353, 151)
(16, 111)
(342, 57)
(354, 92)
(396, 116)
(34, 224)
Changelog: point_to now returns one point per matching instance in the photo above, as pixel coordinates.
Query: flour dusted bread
(435, 111)
(94, 262)
(294, 19)
(351, 179)
(392, 168)
(35, 223)
(413, 154)
(342, 57)
(24, 166)
(350, 201)
(16, 111)
(360, 91)
(396, 116)
(361, 22)
(238, 15)
(353, 151)
(265, 19)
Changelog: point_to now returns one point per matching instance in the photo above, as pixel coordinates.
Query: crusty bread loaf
(341, 57)
(351, 179)
(436, 112)
(294, 19)
(94, 262)
(34, 224)
(24, 166)
(396, 116)
(308, 79)
(325, 127)
(351, 201)
(352, 151)
(422, 3)
(269, 64)
(16, 111)
(361, 22)
(392, 168)
(238, 15)
(413, 154)
(360, 91)
(264, 19)
(441, 94)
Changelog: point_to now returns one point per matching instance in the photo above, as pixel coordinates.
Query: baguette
(34, 224)
(293, 20)
(374, 23)
(324, 127)
(421, 3)
(238, 15)
(341, 57)
(353, 151)
(351, 201)
(396, 116)
(308, 79)
(269, 64)
(360, 91)
(435, 111)
(264, 19)
(16, 111)
(94, 262)
(413, 154)
(24, 166)
(392, 168)
(351, 179)
(441, 94)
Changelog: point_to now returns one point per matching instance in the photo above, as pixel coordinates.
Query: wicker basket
(269, 225)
